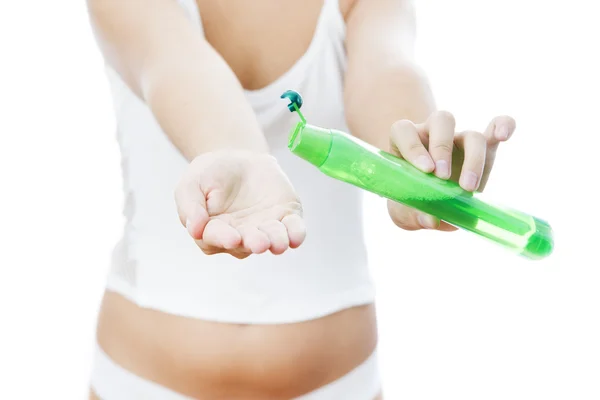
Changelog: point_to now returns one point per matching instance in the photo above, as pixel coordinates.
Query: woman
(236, 304)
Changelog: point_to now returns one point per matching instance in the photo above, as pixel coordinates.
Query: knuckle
(475, 137)
(444, 116)
(442, 148)
(506, 119)
(406, 225)
(403, 125)
(415, 147)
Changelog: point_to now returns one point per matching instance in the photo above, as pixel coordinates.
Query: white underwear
(112, 382)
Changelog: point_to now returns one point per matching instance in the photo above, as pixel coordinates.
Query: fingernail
(468, 180)
(426, 221)
(502, 133)
(441, 169)
(424, 163)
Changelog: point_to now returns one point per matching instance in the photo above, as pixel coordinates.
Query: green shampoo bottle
(348, 159)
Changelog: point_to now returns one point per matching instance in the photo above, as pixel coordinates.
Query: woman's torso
(268, 44)
(157, 265)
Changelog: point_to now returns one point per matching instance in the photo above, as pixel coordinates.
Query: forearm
(200, 104)
(190, 89)
(383, 84)
(378, 97)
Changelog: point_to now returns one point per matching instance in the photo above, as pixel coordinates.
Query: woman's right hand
(239, 202)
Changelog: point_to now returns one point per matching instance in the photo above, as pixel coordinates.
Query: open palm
(240, 203)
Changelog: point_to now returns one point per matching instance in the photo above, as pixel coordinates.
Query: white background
(459, 317)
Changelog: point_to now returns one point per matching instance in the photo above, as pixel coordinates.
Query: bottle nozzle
(295, 102)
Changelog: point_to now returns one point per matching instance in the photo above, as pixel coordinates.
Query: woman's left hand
(434, 146)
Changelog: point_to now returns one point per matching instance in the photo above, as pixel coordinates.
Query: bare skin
(94, 397)
(208, 360)
(251, 44)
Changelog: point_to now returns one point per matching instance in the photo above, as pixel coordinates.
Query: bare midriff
(213, 360)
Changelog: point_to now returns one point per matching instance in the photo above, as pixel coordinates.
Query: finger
(277, 234)
(296, 230)
(191, 207)
(474, 148)
(441, 127)
(446, 227)
(253, 239)
(427, 221)
(196, 223)
(212, 250)
(406, 139)
(209, 250)
(411, 219)
(218, 233)
(500, 129)
(217, 200)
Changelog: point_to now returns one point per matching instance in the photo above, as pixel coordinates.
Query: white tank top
(157, 264)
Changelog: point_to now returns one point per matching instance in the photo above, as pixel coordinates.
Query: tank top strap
(335, 19)
(190, 7)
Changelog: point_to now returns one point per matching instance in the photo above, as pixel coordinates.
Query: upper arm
(380, 34)
(133, 33)
(383, 82)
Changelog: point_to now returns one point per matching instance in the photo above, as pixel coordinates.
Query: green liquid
(348, 159)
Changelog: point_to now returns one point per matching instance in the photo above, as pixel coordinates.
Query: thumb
(191, 207)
